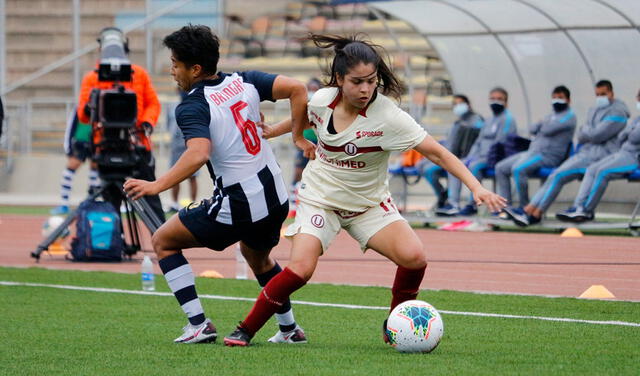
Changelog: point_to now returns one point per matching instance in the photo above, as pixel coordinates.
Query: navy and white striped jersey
(247, 179)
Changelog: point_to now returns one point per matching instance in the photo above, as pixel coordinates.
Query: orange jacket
(148, 103)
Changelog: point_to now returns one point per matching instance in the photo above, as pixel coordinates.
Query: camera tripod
(133, 208)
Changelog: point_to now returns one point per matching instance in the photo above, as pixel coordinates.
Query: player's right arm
(289, 88)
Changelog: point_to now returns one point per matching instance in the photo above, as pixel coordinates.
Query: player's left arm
(439, 155)
(196, 155)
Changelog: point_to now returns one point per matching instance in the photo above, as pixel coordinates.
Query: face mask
(602, 101)
(559, 105)
(496, 107)
(638, 105)
(460, 109)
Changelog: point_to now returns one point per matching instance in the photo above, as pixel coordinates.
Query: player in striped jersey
(345, 186)
(220, 121)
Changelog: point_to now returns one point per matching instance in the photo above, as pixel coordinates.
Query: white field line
(317, 304)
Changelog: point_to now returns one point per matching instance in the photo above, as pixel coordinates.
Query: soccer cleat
(468, 210)
(202, 333)
(294, 336)
(448, 210)
(518, 216)
(385, 332)
(582, 215)
(239, 337)
(59, 210)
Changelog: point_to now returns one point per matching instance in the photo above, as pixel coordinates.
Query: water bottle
(148, 278)
(241, 264)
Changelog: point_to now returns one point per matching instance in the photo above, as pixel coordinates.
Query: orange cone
(572, 232)
(56, 248)
(597, 292)
(211, 274)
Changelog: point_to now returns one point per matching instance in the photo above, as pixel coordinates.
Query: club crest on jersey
(361, 134)
(317, 220)
(350, 149)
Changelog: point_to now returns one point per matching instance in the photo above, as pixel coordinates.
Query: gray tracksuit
(614, 166)
(496, 129)
(549, 147)
(598, 137)
(432, 171)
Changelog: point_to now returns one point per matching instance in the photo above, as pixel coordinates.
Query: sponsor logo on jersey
(347, 164)
(222, 95)
(361, 134)
(316, 117)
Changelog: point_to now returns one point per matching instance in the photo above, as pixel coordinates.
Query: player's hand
(136, 188)
(267, 130)
(494, 202)
(308, 148)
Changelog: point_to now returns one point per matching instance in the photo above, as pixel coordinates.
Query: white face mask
(638, 105)
(460, 109)
(602, 101)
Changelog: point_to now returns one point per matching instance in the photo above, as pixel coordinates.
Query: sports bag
(98, 233)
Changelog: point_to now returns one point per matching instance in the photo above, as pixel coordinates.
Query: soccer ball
(415, 326)
(51, 224)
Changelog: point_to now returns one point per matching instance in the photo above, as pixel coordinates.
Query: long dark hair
(353, 50)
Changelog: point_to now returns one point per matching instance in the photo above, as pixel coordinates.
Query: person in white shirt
(345, 185)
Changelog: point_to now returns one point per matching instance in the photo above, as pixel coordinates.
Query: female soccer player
(345, 184)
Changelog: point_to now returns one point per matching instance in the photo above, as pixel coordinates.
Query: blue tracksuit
(598, 137)
(549, 147)
(614, 166)
(432, 171)
(496, 129)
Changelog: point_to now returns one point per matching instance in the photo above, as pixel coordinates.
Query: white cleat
(294, 336)
(202, 333)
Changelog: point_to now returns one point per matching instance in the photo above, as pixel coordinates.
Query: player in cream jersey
(345, 186)
(350, 169)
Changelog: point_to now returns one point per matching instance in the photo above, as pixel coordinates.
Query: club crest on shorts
(317, 220)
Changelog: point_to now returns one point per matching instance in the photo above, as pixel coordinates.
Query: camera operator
(148, 111)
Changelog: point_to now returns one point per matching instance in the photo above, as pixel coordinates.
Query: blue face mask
(602, 101)
(460, 109)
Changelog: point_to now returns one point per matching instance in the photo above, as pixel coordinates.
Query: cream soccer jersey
(350, 169)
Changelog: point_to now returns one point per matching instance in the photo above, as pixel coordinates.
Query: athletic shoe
(582, 215)
(468, 210)
(202, 333)
(518, 216)
(239, 337)
(448, 210)
(60, 210)
(566, 215)
(455, 226)
(293, 336)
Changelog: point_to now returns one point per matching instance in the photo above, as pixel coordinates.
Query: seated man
(598, 175)
(552, 137)
(496, 129)
(455, 142)
(598, 137)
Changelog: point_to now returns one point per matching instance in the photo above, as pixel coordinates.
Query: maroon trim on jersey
(336, 100)
(343, 148)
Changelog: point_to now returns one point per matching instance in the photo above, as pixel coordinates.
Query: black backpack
(98, 233)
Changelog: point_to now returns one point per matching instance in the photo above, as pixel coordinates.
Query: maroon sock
(406, 285)
(272, 297)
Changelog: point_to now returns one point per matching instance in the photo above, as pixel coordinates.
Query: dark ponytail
(353, 50)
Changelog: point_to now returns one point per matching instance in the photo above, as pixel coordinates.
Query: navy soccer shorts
(261, 235)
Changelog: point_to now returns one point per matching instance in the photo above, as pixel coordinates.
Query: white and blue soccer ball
(51, 224)
(415, 326)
